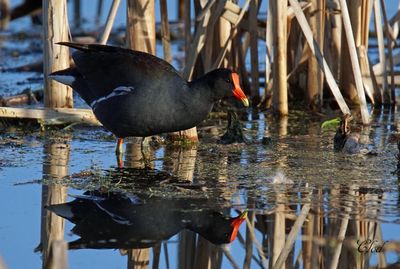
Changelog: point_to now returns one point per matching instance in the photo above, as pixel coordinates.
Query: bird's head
(235, 224)
(216, 227)
(225, 84)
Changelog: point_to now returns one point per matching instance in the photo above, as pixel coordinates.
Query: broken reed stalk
(186, 163)
(307, 245)
(249, 240)
(317, 53)
(292, 236)
(203, 254)
(340, 239)
(268, 43)
(347, 79)
(207, 22)
(5, 14)
(255, 77)
(53, 116)
(369, 86)
(336, 32)
(55, 166)
(390, 55)
(366, 12)
(396, 28)
(232, 35)
(186, 249)
(110, 21)
(215, 53)
(205, 10)
(279, 231)
(138, 258)
(280, 93)
(230, 258)
(165, 34)
(381, 256)
(225, 30)
(196, 46)
(317, 227)
(259, 248)
(314, 93)
(59, 255)
(227, 34)
(187, 25)
(377, 89)
(354, 61)
(181, 9)
(56, 57)
(24, 98)
(381, 49)
(141, 27)
(210, 42)
(242, 243)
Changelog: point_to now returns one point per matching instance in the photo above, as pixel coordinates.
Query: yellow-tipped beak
(245, 101)
(236, 224)
(243, 215)
(237, 91)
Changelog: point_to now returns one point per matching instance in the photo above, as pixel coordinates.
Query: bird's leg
(119, 152)
(119, 149)
(234, 130)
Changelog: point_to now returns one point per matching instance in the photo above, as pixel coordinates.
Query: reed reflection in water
(290, 224)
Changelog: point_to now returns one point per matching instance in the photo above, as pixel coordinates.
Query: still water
(347, 199)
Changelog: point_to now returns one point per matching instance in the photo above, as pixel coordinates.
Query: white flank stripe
(67, 80)
(118, 219)
(122, 90)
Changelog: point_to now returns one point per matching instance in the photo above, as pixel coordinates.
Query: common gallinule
(116, 220)
(133, 93)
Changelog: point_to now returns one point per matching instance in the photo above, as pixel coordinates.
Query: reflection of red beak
(237, 91)
(236, 222)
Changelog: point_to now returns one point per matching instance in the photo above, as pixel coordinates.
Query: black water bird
(115, 220)
(133, 93)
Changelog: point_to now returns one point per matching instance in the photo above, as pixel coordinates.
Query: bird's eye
(228, 80)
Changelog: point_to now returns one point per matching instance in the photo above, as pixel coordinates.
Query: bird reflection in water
(116, 220)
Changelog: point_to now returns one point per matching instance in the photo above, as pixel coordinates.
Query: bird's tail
(74, 79)
(78, 46)
(92, 47)
(66, 76)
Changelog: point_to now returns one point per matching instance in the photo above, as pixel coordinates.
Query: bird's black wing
(106, 68)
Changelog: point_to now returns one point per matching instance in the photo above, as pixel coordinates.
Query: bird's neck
(201, 91)
(200, 98)
(204, 85)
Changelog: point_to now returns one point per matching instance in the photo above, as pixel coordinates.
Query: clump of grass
(330, 124)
